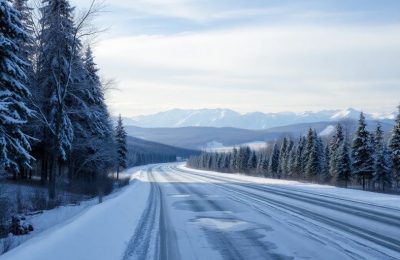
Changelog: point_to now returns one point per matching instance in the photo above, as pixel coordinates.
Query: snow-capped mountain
(254, 120)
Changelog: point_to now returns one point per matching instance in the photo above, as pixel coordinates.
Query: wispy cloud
(252, 55)
(300, 64)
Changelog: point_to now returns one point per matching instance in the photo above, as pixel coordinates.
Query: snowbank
(106, 227)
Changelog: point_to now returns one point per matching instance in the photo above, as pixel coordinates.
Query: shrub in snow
(19, 226)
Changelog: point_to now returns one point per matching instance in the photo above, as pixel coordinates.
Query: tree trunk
(363, 182)
(52, 178)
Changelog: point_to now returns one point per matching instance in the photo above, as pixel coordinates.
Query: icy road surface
(172, 212)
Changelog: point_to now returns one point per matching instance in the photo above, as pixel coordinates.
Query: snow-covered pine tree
(227, 160)
(395, 150)
(299, 162)
(287, 163)
(383, 170)
(260, 159)
(93, 147)
(264, 166)
(363, 164)
(326, 163)
(342, 171)
(310, 143)
(57, 77)
(252, 163)
(14, 143)
(244, 156)
(27, 48)
(121, 140)
(313, 163)
(322, 175)
(234, 160)
(282, 158)
(273, 167)
(334, 145)
(292, 162)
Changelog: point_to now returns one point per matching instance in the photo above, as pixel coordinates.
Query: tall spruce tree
(27, 48)
(57, 76)
(264, 166)
(395, 150)
(287, 164)
(292, 162)
(300, 160)
(14, 143)
(342, 169)
(282, 158)
(234, 160)
(121, 140)
(313, 163)
(243, 158)
(363, 164)
(252, 163)
(383, 170)
(273, 167)
(334, 145)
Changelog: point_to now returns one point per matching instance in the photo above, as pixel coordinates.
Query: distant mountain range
(255, 121)
(206, 138)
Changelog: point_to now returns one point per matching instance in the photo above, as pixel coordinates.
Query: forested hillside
(361, 158)
(141, 152)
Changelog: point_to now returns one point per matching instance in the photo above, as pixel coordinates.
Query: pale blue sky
(271, 55)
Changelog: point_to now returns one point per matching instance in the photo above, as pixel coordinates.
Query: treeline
(54, 123)
(141, 152)
(140, 158)
(364, 158)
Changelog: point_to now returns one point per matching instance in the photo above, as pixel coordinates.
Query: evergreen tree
(326, 165)
(93, 148)
(382, 174)
(227, 160)
(234, 160)
(252, 163)
(273, 167)
(335, 143)
(14, 143)
(363, 164)
(287, 163)
(244, 156)
(322, 176)
(60, 68)
(26, 46)
(282, 158)
(300, 158)
(342, 171)
(120, 139)
(264, 166)
(395, 150)
(292, 162)
(313, 163)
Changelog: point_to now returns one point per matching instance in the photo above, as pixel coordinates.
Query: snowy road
(203, 215)
(179, 213)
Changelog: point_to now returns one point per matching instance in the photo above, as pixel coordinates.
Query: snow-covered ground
(172, 212)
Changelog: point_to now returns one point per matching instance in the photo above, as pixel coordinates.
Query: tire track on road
(379, 239)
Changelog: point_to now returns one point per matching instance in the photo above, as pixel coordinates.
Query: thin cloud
(265, 61)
